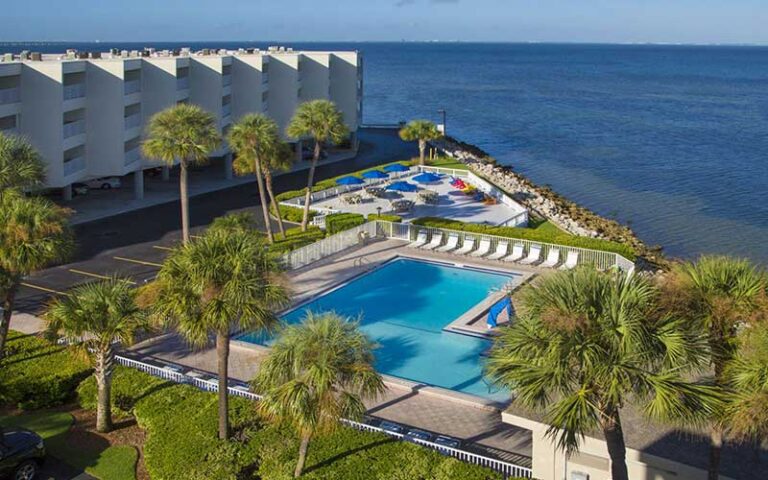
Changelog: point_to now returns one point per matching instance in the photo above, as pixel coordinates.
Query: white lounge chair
(502, 248)
(467, 246)
(533, 255)
(451, 244)
(483, 249)
(570, 261)
(437, 239)
(421, 239)
(517, 253)
(552, 258)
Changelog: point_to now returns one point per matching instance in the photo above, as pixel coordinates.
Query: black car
(308, 153)
(21, 453)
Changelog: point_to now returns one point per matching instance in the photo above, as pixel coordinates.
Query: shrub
(39, 374)
(293, 214)
(536, 235)
(128, 387)
(385, 217)
(338, 222)
(295, 238)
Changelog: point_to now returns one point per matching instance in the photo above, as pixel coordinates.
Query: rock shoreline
(548, 204)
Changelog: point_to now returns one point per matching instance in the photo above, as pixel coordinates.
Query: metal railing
(182, 83)
(173, 374)
(132, 86)
(131, 156)
(74, 165)
(9, 95)
(264, 78)
(74, 91)
(73, 128)
(328, 246)
(132, 121)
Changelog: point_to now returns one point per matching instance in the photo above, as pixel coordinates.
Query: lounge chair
(421, 239)
(453, 241)
(483, 249)
(570, 261)
(437, 239)
(467, 246)
(533, 255)
(517, 253)
(501, 251)
(553, 257)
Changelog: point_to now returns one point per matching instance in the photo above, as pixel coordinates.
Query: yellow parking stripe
(36, 287)
(140, 262)
(96, 275)
(160, 247)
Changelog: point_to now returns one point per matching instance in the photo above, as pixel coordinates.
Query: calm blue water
(672, 139)
(403, 306)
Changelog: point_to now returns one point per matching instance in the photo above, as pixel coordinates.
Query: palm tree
(225, 280)
(589, 343)
(96, 317)
(251, 137)
(20, 164)
(317, 373)
(323, 122)
(278, 159)
(33, 234)
(719, 295)
(186, 133)
(422, 131)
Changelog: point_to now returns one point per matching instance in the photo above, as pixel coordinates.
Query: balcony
(132, 156)
(226, 80)
(226, 110)
(74, 165)
(74, 128)
(74, 91)
(132, 121)
(182, 83)
(9, 95)
(264, 78)
(132, 86)
(264, 107)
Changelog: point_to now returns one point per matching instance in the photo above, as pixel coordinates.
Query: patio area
(449, 202)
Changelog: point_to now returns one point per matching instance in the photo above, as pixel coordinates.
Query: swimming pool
(403, 305)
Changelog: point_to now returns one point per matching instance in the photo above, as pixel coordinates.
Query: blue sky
(685, 21)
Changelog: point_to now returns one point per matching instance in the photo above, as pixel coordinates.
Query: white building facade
(86, 113)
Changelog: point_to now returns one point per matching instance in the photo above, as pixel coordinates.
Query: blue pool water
(403, 306)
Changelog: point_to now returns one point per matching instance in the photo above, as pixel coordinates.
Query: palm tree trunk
(273, 201)
(103, 373)
(5, 320)
(184, 202)
(310, 182)
(222, 351)
(617, 450)
(263, 198)
(715, 449)
(422, 147)
(303, 447)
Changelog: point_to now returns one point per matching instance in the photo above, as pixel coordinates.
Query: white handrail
(172, 374)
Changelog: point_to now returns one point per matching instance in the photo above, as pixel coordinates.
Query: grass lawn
(543, 225)
(447, 162)
(97, 458)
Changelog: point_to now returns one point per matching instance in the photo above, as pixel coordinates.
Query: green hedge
(385, 217)
(36, 373)
(545, 235)
(181, 423)
(295, 238)
(293, 214)
(338, 222)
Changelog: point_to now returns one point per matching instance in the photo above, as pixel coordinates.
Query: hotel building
(86, 113)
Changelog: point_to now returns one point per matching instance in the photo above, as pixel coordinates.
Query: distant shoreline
(385, 42)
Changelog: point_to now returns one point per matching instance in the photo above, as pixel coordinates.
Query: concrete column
(353, 140)
(228, 166)
(299, 146)
(66, 193)
(166, 173)
(138, 184)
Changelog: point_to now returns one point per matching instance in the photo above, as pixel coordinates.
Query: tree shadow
(329, 461)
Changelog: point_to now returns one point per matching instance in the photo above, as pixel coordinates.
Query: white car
(104, 183)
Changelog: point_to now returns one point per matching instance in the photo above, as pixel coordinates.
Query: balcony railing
(226, 110)
(74, 128)
(9, 95)
(74, 91)
(132, 121)
(74, 165)
(264, 78)
(182, 83)
(264, 107)
(132, 86)
(226, 80)
(132, 156)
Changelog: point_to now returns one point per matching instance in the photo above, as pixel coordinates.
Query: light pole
(442, 113)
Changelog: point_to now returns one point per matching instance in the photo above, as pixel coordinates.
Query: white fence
(328, 246)
(173, 374)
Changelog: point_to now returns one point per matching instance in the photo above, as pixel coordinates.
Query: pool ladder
(360, 261)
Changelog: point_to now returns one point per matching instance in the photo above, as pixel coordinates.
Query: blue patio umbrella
(396, 167)
(426, 177)
(349, 180)
(402, 187)
(374, 174)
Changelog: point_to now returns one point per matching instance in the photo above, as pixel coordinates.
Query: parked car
(308, 152)
(79, 189)
(153, 172)
(22, 452)
(104, 183)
